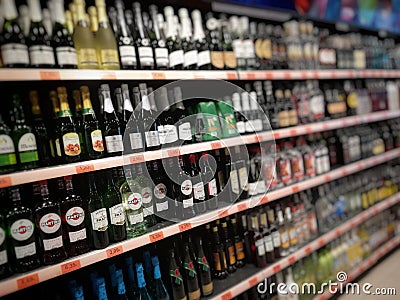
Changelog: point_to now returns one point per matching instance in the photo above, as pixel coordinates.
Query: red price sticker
(321, 242)
(264, 200)
(257, 139)
(276, 135)
(253, 281)
(114, 251)
(338, 233)
(137, 159)
(5, 181)
(287, 75)
(158, 75)
(173, 152)
(109, 76)
(155, 237)
(231, 75)
(328, 178)
(303, 75)
(333, 74)
(291, 260)
(251, 76)
(27, 281)
(295, 189)
(70, 266)
(268, 75)
(308, 250)
(185, 226)
(227, 296)
(293, 132)
(276, 268)
(242, 206)
(309, 129)
(216, 145)
(84, 168)
(50, 75)
(223, 214)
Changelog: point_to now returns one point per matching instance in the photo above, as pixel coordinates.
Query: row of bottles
(130, 37)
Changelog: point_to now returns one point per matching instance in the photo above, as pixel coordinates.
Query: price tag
(276, 268)
(315, 75)
(84, 168)
(308, 129)
(276, 135)
(344, 172)
(155, 237)
(158, 75)
(256, 139)
(308, 250)
(227, 296)
(137, 159)
(185, 226)
(70, 266)
(287, 75)
(293, 132)
(223, 214)
(231, 75)
(117, 250)
(360, 166)
(328, 178)
(50, 75)
(325, 126)
(333, 74)
(253, 281)
(268, 75)
(27, 281)
(321, 242)
(173, 152)
(109, 76)
(251, 76)
(295, 189)
(303, 75)
(5, 181)
(216, 145)
(338, 233)
(242, 206)
(292, 260)
(264, 200)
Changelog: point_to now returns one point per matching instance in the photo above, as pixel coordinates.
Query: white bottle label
(253, 188)
(15, 54)
(203, 58)
(75, 216)
(117, 214)
(186, 187)
(2, 236)
(136, 218)
(75, 236)
(136, 140)
(161, 56)
(6, 144)
(99, 219)
(148, 211)
(41, 55)
(171, 134)
(25, 251)
(114, 143)
(243, 177)
(276, 237)
(198, 191)
(152, 138)
(160, 191)
(127, 55)
(268, 243)
(97, 140)
(55, 243)
(238, 49)
(146, 55)
(147, 195)
(241, 127)
(161, 134)
(134, 201)
(176, 58)
(162, 206)
(190, 58)
(3, 257)
(248, 49)
(260, 247)
(233, 177)
(50, 223)
(27, 142)
(188, 203)
(66, 56)
(185, 131)
(22, 229)
(261, 188)
(72, 146)
(212, 187)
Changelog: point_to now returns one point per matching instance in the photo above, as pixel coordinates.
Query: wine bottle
(185, 192)
(239, 244)
(47, 21)
(76, 96)
(200, 43)
(162, 189)
(125, 108)
(147, 195)
(237, 43)
(5, 263)
(160, 292)
(14, 50)
(84, 41)
(98, 227)
(8, 158)
(248, 44)
(181, 117)
(214, 42)
(93, 19)
(191, 275)
(134, 127)
(204, 270)
(177, 284)
(148, 272)
(150, 123)
(198, 185)
(176, 57)
(210, 182)
(158, 41)
(61, 39)
(167, 130)
(55, 126)
(218, 256)
(229, 248)
(121, 290)
(143, 293)
(68, 135)
(230, 60)
(23, 137)
(131, 285)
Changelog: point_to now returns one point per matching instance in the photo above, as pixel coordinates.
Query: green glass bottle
(147, 196)
(143, 294)
(8, 158)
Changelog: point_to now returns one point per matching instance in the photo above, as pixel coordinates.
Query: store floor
(385, 274)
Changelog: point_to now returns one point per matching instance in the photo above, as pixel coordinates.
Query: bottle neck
(127, 101)
(58, 12)
(170, 34)
(139, 23)
(121, 18)
(108, 105)
(102, 17)
(44, 190)
(10, 10)
(198, 32)
(64, 106)
(68, 185)
(35, 10)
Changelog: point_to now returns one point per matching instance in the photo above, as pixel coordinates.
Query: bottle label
(147, 195)
(3, 257)
(78, 235)
(152, 138)
(58, 147)
(161, 206)
(217, 59)
(243, 177)
(267, 49)
(258, 48)
(309, 161)
(292, 236)
(188, 202)
(233, 176)
(148, 211)
(50, 223)
(298, 167)
(189, 266)
(7, 151)
(185, 131)
(269, 246)
(171, 134)
(136, 218)
(87, 57)
(49, 244)
(203, 58)
(27, 148)
(21, 230)
(293, 120)
(146, 55)
(276, 239)
(248, 48)
(198, 191)
(238, 48)
(176, 275)
(260, 247)
(25, 251)
(239, 248)
(217, 261)
(108, 57)
(41, 55)
(285, 171)
(134, 201)
(97, 140)
(136, 140)
(283, 119)
(13, 54)
(317, 106)
(117, 214)
(2, 236)
(285, 242)
(128, 55)
(99, 219)
(161, 56)
(186, 187)
(114, 143)
(160, 191)
(230, 59)
(232, 257)
(212, 187)
(241, 127)
(176, 58)
(66, 56)
(327, 56)
(190, 58)
(72, 145)
(352, 100)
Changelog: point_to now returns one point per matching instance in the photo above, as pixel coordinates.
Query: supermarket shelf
(28, 176)
(18, 282)
(64, 74)
(237, 284)
(365, 265)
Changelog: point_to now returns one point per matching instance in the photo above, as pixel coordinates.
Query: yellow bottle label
(108, 57)
(87, 57)
(285, 242)
(283, 119)
(266, 48)
(232, 258)
(352, 100)
(217, 261)
(239, 250)
(230, 59)
(217, 59)
(258, 48)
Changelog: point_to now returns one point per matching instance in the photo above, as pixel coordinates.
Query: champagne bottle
(177, 285)
(144, 47)
(8, 158)
(181, 117)
(150, 123)
(185, 190)
(201, 44)
(41, 53)
(203, 267)
(230, 60)
(143, 293)
(158, 41)
(229, 249)
(160, 292)
(14, 51)
(93, 19)
(176, 57)
(218, 256)
(214, 42)
(190, 52)
(191, 276)
(134, 126)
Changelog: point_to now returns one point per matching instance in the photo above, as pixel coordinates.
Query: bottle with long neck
(214, 42)
(76, 96)
(190, 52)
(150, 123)
(198, 185)
(210, 182)
(143, 293)
(176, 56)
(145, 50)
(158, 41)
(5, 263)
(177, 283)
(126, 107)
(204, 270)
(135, 143)
(61, 39)
(191, 276)
(230, 60)
(229, 249)
(248, 44)
(13, 47)
(147, 196)
(160, 292)
(218, 256)
(8, 158)
(185, 195)
(93, 19)
(167, 130)
(201, 44)
(41, 53)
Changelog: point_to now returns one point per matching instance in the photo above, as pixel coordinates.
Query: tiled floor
(385, 274)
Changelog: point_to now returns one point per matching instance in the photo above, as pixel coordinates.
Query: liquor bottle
(61, 39)
(283, 230)
(231, 177)
(162, 189)
(176, 57)
(21, 230)
(14, 51)
(201, 44)
(198, 185)
(237, 41)
(291, 229)
(106, 44)
(190, 275)
(48, 220)
(181, 117)
(229, 248)
(84, 40)
(230, 60)
(23, 137)
(267, 236)
(100, 288)
(160, 292)
(177, 284)
(132, 201)
(210, 182)
(41, 53)
(143, 293)
(121, 290)
(204, 270)
(273, 226)
(68, 132)
(157, 38)
(148, 272)
(98, 227)
(167, 130)
(150, 123)
(93, 19)
(76, 96)
(218, 256)
(133, 129)
(8, 158)
(147, 195)
(47, 21)
(259, 244)
(214, 42)
(73, 218)
(242, 170)
(144, 47)
(185, 194)
(5, 263)
(248, 43)
(190, 52)
(238, 243)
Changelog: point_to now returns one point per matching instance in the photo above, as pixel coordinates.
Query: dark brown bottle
(248, 237)
(229, 248)
(203, 267)
(218, 254)
(178, 288)
(258, 246)
(276, 238)
(191, 276)
(267, 237)
(239, 244)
